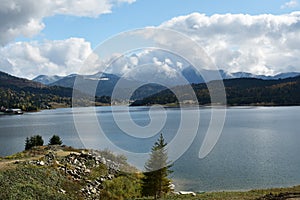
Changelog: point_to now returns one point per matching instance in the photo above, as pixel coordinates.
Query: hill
(61, 172)
(241, 91)
(30, 95)
(9, 81)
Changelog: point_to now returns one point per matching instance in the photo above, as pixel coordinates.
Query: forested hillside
(31, 96)
(242, 91)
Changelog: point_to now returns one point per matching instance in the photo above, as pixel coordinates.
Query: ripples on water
(259, 146)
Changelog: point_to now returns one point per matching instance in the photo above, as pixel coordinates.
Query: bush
(33, 141)
(55, 140)
(122, 187)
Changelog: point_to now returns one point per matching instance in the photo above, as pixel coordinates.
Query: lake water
(258, 148)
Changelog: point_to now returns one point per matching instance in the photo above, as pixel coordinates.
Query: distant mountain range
(105, 83)
(31, 95)
(189, 73)
(193, 76)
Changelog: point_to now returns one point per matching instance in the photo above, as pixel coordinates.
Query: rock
(41, 163)
(62, 191)
(103, 161)
(110, 176)
(17, 162)
(94, 191)
(102, 179)
(187, 193)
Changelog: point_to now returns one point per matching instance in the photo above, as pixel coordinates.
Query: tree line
(242, 91)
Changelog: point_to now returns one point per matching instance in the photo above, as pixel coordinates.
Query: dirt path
(9, 164)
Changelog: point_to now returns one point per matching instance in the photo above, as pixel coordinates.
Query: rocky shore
(90, 170)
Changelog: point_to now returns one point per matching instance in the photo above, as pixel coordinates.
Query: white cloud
(58, 57)
(25, 17)
(290, 4)
(261, 44)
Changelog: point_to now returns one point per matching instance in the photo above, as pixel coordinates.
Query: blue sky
(144, 13)
(55, 37)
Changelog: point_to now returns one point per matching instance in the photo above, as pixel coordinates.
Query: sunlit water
(258, 148)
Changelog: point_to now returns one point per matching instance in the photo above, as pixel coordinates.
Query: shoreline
(184, 106)
(53, 158)
(18, 156)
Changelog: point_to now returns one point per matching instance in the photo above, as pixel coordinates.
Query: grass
(97, 172)
(29, 182)
(232, 195)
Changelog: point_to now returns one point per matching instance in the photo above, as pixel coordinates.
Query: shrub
(122, 187)
(33, 141)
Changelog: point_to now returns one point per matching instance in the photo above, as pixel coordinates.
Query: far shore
(172, 106)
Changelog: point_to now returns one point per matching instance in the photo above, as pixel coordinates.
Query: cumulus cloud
(58, 57)
(260, 44)
(25, 17)
(290, 4)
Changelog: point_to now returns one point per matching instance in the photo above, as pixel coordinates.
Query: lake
(258, 148)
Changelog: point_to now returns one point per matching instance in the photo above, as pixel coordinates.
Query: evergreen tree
(55, 140)
(33, 141)
(156, 182)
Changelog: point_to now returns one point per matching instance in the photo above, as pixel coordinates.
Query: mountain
(9, 81)
(194, 76)
(30, 95)
(47, 80)
(240, 91)
(189, 73)
(68, 81)
(286, 75)
(105, 84)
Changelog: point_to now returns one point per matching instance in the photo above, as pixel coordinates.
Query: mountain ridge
(190, 73)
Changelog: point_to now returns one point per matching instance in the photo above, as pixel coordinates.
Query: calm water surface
(258, 148)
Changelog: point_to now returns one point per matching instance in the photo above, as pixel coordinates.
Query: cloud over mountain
(260, 44)
(61, 57)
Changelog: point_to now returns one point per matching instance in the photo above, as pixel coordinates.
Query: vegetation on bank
(21, 180)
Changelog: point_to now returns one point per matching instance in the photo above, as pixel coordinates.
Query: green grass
(234, 195)
(28, 182)
(97, 172)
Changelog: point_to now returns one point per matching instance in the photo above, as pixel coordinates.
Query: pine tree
(33, 141)
(156, 182)
(55, 140)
